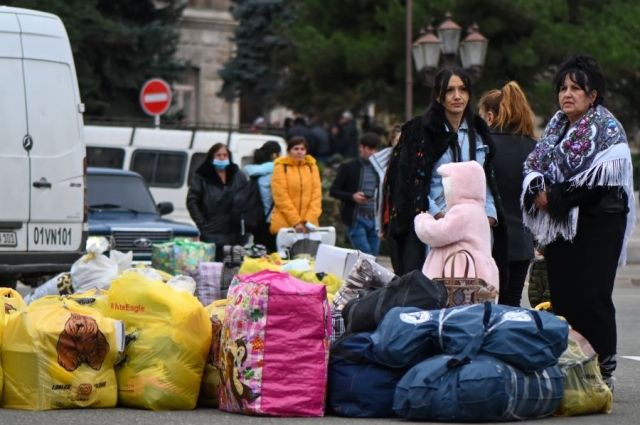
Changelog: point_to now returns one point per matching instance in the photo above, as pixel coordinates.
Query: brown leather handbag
(465, 290)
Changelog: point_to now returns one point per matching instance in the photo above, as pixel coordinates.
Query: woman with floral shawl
(578, 201)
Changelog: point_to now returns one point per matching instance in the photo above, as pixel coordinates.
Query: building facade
(206, 31)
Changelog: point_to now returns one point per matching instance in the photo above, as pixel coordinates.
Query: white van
(42, 153)
(167, 158)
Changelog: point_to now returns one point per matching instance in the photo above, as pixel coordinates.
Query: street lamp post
(471, 50)
(408, 90)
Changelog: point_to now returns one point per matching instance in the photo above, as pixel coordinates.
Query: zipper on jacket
(300, 176)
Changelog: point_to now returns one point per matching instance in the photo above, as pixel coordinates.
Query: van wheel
(35, 281)
(8, 282)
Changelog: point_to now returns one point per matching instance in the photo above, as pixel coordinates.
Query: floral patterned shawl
(593, 152)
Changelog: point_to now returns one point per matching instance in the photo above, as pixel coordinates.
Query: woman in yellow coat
(296, 189)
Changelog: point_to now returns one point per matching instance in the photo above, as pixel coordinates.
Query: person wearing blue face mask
(217, 199)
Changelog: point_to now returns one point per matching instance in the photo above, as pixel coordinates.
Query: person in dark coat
(300, 129)
(217, 199)
(508, 114)
(449, 131)
(356, 186)
(346, 136)
(322, 139)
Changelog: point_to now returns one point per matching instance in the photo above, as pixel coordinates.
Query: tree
(348, 53)
(117, 45)
(252, 70)
(530, 38)
(323, 56)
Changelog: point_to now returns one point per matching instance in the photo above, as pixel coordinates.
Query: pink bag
(275, 346)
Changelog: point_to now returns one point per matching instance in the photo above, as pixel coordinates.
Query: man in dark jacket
(356, 185)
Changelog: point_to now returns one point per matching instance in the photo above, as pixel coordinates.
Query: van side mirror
(165, 208)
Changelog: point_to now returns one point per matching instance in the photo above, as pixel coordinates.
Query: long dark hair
(441, 83)
(265, 152)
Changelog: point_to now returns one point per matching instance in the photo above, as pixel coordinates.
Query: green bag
(181, 256)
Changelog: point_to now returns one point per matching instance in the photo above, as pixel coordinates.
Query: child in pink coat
(464, 225)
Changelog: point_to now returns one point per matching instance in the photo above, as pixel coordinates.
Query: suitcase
(287, 236)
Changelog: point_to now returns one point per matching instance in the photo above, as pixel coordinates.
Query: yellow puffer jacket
(297, 193)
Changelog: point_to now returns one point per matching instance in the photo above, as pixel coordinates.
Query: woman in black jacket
(217, 199)
(449, 131)
(511, 120)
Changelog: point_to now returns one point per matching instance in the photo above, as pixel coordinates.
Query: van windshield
(119, 193)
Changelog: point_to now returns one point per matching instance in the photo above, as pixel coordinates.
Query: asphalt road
(626, 406)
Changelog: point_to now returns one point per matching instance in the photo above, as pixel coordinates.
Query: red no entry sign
(155, 97)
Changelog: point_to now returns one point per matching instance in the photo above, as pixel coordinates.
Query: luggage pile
(483, 362)
(329, 332)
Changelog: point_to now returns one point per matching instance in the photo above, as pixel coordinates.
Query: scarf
(593, 152)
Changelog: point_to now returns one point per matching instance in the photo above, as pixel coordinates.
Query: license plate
(8, 239)
(51, 236)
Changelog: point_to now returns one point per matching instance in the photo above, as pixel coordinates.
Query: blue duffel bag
(527, 339)
(358, 387)
(408, 335)
(484, 389)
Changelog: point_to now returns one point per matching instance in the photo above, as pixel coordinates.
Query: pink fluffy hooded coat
(464, 226)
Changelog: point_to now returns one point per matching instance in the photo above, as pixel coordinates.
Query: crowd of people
(568, 190)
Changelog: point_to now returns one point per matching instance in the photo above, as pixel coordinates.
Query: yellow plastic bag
(170, 336)
(93, 298)
(331, 281)
(584, 390)
(254, 265)
(1, 332)
(59, 354)
(211, 377)
(12, 301)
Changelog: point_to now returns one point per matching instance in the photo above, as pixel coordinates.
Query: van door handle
(42, 184)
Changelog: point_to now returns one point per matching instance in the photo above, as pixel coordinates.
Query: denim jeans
(363, 235)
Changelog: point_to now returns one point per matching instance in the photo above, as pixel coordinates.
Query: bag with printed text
(168, 338)
(58, 354)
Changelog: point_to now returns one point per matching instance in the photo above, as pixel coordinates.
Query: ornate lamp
(426, 50)
(473, 49)
(449, 32)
